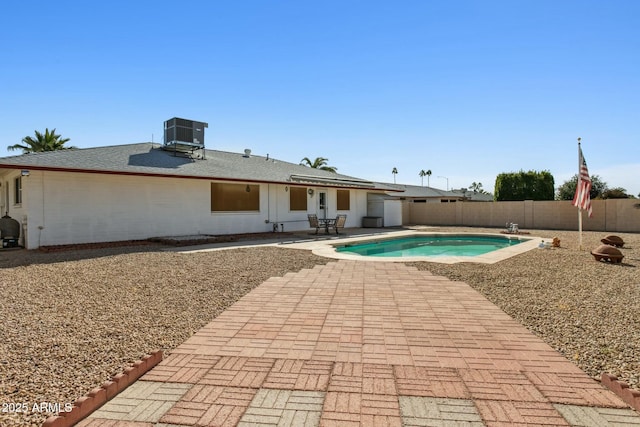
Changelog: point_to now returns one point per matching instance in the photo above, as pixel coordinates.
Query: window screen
(343, 200)
(234, 197)
(298, 198)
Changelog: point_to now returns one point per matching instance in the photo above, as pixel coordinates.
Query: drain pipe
(24, 231)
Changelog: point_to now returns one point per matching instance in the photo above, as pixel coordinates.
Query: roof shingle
(151, 159)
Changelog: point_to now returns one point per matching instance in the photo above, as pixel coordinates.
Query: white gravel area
(73, 319)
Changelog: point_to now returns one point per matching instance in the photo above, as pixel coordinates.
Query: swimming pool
(430, 246)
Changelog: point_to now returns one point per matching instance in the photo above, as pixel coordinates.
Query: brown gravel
(73, 319)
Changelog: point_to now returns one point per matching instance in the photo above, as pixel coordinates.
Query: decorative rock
(607, 253)
(613, 241)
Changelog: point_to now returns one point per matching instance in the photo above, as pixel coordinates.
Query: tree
(428, 173)
(616, 193)
(318, 163)
(422, 174)
(394, 172)
(522, 185)
(476, 187)
(568, 189)
(48, 141)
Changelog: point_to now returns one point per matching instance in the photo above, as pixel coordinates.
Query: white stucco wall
(297, 220)
(66, 208)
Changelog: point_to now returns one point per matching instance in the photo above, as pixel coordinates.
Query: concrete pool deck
(360, 343)
(327, 249)
(324, 245)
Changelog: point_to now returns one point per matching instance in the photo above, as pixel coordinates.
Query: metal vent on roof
(184, 136)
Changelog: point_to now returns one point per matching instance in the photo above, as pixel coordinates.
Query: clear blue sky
(467, 89)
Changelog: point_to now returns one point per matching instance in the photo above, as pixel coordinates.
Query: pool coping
(326, 248)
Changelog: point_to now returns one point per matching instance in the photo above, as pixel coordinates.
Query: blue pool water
(432, 246)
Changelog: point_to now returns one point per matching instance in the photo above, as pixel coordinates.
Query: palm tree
(48, 141)
(394, 172)
(428, 173)
(422, 175)
(318, 163)
(477, 187)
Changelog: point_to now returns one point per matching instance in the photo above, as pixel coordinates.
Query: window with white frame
(17, 197)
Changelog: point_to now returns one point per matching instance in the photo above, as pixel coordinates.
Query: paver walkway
(354, 343)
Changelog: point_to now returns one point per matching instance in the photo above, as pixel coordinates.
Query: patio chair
(339, 222)
(313, 222)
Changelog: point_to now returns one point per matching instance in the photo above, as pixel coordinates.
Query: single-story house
(420, 194)
(145, 190)
(466, 195)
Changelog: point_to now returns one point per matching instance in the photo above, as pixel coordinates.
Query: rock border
(97, 397)
(630, 396)
(97, 245)
(168, 241)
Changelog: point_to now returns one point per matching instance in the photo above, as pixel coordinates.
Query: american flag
(582, 198)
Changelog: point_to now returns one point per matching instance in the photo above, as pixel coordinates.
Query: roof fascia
(161, 175)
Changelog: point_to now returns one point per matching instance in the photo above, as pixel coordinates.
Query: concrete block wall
(615, 215)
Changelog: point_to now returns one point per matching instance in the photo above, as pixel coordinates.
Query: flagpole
(580, 226)
(579, 208)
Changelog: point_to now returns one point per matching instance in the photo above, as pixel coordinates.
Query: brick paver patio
(356, 343)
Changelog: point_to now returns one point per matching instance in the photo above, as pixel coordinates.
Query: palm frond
(49, 141)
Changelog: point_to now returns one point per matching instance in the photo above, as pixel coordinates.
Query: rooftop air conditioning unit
(184, 136)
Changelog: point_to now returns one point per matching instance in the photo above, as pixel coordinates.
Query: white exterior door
(322, 204)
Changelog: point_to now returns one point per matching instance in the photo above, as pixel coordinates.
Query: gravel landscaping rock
(73, 319)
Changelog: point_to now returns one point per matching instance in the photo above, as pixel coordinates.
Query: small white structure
(382, 211)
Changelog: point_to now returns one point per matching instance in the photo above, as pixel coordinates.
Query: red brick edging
(631, 397)
(97, 397)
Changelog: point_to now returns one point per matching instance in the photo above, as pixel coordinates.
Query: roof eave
(166, 175)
